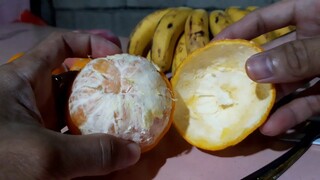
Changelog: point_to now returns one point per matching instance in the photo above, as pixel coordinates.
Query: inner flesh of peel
(217, 103)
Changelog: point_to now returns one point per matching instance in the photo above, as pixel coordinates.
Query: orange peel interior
(218, 105)
(124, 96)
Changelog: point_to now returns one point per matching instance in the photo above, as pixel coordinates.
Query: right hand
(288, 62)
(301, 13)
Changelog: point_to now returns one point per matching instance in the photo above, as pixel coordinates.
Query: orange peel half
(218, 105)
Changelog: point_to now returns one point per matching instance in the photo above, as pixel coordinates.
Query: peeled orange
(217, 104)
(121, 95)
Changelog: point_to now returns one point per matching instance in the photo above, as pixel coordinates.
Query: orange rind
(76, 64)
(218, 105)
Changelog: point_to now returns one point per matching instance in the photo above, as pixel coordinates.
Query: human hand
(30, 148)
(289, 62)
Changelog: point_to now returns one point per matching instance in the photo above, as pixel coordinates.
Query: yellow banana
(180, 53)
(170, 27)
(218, 20)
(252, 8)
(236, 13)
(149, 55)
(282, 31)
(262, 39)
(141, 37)
(197, 30)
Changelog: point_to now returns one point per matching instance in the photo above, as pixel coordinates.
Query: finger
(281, 40)
(288, 88)
(96, 154)
(291, 114)
(51, 52)
(291, 62)
(107, 34)
(306, 104)
(261, 21)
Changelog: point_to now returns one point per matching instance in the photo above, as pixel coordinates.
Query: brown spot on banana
(159, 52)
(199, 34)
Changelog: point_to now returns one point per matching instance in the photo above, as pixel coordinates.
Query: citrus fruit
(76, 64)
(217, 104)
(124, 96)
(15, 56)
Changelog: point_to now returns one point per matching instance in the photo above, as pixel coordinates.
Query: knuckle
(313, 104)
(12, 81)
(261, 25)
(298, 61)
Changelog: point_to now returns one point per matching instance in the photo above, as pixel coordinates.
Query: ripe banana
(170, 27)
(141, 37)
(218, 20)
(282, 31)
(149, 55)
(252, 8)
(236, 13)
(196, 30)
(180, 53)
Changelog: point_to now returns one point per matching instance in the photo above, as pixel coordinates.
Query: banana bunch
(167, 36)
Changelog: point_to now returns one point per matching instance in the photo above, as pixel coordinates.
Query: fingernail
(133, 153)
(267, 128)
(259, 67)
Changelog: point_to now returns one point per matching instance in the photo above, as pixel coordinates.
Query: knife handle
(277, 167)
(61, 85)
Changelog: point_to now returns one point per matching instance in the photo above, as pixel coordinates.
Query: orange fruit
(124, 96)
(76, 64)
(16, 56)
(217, 104)
(61, 69)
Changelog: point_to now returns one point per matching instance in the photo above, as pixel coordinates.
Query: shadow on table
(254, 143)
(171, 145)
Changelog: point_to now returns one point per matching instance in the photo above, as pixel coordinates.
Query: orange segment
(217, 104)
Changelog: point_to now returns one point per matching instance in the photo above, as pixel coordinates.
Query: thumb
(96, 154)
(290, 62)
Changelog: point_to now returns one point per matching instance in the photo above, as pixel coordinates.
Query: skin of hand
(30, 148)
(289, 62)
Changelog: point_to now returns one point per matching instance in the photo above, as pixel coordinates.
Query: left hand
(29, 146)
